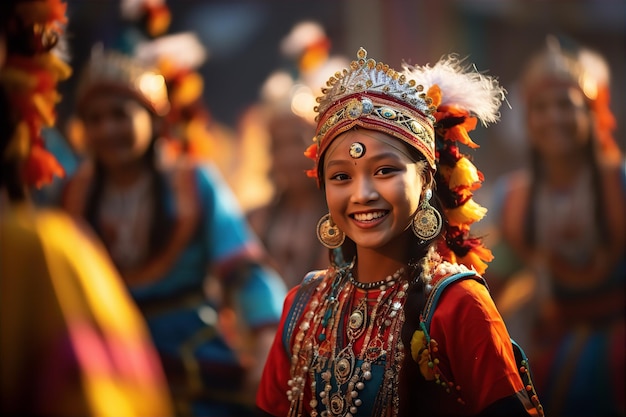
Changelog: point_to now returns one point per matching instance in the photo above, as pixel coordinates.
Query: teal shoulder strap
(307, 286)
(438, 289)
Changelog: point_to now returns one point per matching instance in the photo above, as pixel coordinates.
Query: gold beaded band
(371, 111)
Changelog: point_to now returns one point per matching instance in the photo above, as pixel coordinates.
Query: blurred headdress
(178, 57)
(430, 108)
(580, 67)
(110, 70)
(29, 76)
(154, 14)
(308, 48)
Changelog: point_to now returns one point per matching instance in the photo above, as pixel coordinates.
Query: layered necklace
(347, 350)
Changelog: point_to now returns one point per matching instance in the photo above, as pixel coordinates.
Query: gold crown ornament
(374, 96)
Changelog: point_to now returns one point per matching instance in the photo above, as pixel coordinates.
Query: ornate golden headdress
(374, 96)
(431, 108)
(30, 76)
(116, 71)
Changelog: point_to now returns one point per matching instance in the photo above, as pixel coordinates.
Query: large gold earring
(328, 233)
(427, 221)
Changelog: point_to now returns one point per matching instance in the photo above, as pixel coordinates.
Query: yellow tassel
(464, 174)
(56, 65)
(45, 107)
(421, 354)
(469, 212)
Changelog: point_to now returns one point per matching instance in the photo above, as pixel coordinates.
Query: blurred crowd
(146, 249)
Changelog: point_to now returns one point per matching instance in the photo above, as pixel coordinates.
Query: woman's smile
(370, 218)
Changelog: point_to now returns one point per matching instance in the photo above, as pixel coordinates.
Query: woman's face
(559, 121)
(372, 198)
(118, 129)
(288, 137)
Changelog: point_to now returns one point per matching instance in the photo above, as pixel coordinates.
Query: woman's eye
(340, 177)
(386, 170)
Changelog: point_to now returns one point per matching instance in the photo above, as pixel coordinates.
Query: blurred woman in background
(171, 226)
(563, 232)
(296, 205)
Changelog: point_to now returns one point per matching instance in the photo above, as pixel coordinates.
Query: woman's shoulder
(312, 279)
(448, 277)
(445, 273)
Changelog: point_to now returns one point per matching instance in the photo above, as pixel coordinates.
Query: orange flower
(33, 81)
(159, 19)
(41, 167)
(457, 132)
(477, 258)
(445, 252)
(311, 173)
(188, 89)
(311, 152)
(434, 93)
(56, 11)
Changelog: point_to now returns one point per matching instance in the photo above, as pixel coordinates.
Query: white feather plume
(461, 86)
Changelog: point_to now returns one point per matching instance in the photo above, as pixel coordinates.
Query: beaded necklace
(382, 284)
(347, 350)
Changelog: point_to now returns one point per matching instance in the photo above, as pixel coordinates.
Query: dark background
(242, 39)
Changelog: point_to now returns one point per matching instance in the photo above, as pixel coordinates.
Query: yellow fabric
(72, 343)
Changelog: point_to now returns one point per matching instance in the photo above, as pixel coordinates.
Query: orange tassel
(477, 258)
(159, 19)
(311, 173)
(41, 167)
(311, 152)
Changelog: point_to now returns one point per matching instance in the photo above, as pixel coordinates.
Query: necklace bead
(382, 285)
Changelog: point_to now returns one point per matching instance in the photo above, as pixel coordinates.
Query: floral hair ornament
(430, 108)
(189, 122)
(30, 76)
(462, 97)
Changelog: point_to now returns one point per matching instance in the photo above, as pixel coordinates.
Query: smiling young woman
(363, 337)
